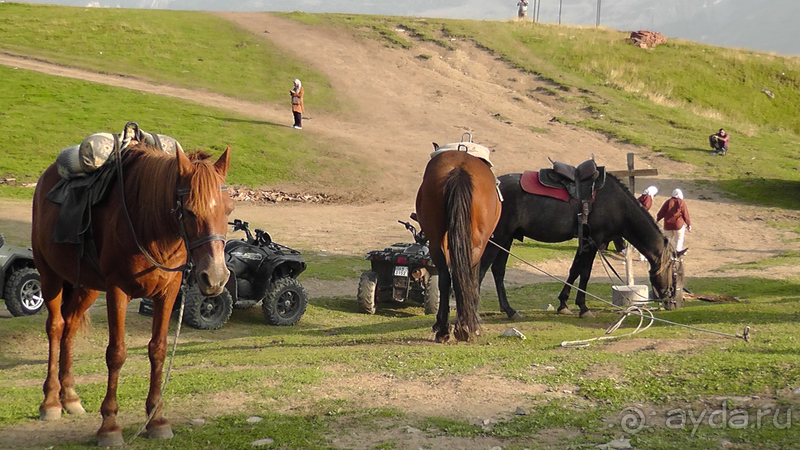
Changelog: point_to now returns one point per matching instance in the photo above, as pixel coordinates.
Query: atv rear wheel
(206, 313)
(285, 302)
(23, 293)
(367, 287)
(431, 297)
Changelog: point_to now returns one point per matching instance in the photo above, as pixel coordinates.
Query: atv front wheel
(206, 313)
(24, 293)
(285, 302)
(431, 298)
(366, 292)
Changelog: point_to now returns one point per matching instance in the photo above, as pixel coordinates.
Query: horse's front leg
(110, 433)
(499, 274)
(574, 272)
(50, 409)
(77, 303)
(442, 327)
(159, 427)
(587, 260)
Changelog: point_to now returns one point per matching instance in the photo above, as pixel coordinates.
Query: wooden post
(631, 173)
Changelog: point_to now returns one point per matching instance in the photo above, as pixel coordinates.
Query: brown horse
(457, 208)
(173, 204)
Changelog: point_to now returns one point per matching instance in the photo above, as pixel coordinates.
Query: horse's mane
(631, 198)
(151, 182)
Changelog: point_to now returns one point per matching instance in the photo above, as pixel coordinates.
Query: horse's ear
(224, 162)
(185, 166)
(682, 252)
(435, 146)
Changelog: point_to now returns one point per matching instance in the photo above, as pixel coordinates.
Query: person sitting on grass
(719, 142)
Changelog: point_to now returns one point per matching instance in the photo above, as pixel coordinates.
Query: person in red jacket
(646, 199)
(676, 219)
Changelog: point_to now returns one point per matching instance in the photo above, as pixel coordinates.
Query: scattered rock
(412, 430)
(796, 391)
(254, 419)
(549, 307)
(497, 447)
(260, 442)
(768, 93)
(520, 411)
(616, 444)
(513, 332)
(197, 422)
(258, 195)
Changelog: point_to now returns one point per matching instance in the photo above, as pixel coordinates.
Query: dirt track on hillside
(402, 104)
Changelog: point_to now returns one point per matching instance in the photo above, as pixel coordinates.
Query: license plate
(401, 271)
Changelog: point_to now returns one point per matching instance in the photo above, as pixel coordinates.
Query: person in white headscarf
(646, 199)
(676, 219)
(297, 104)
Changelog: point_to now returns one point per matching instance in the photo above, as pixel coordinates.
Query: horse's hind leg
(78, 300)
(110, 433)
(50, 409)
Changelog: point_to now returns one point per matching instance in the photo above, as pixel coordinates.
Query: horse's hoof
(516, 316)
(461, 333)
(74, 408)
(587, 315)
(160, 432)
(565, 312)
(110, 439)
(48, 414)
(442, 338)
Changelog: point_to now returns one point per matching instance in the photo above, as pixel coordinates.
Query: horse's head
(667, 275)
(206, 206)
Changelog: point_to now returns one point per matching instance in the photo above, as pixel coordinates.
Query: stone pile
(646, 39)
(258, 195)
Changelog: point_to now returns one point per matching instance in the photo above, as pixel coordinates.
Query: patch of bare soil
(401, 104)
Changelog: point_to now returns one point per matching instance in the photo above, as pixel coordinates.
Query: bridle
(676, 263)
(179, 210)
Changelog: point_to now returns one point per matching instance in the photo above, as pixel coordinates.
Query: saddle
(581, 183)
(86, 178)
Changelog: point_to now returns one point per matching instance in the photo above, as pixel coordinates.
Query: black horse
(615, 213)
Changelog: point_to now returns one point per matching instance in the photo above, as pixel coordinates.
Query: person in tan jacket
(297, 104)
(676, 219)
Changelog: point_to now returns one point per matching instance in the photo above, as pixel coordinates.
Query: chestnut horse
(457, 208)
(176, 210)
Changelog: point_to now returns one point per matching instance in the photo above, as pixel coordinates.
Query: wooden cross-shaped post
(631, 173)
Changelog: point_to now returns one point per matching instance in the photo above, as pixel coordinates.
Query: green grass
(325, 266)
(275, 365)
(791, 257)
(191, 49)
(43, 114)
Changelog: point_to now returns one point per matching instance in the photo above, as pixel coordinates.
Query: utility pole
(560, 3)
(597, 21)
(538, 9)
(533, 11)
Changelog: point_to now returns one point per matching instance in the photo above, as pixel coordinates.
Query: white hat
(651, 191)
(677, 193)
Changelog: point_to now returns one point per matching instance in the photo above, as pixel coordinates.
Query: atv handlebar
(420, 237)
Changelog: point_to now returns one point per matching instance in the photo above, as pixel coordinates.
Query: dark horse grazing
(174, 203)
(457, 209)
(615, 213)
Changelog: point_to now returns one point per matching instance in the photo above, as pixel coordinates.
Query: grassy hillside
(669, 98)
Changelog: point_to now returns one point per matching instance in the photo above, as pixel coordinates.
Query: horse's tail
(458, 209)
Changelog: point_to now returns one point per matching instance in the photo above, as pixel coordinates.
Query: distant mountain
(766, 25)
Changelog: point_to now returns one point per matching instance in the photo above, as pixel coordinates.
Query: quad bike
(399, 273)
(261, 271)
(19, 280)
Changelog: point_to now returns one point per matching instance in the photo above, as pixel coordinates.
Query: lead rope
(629, 311)
(169, 369)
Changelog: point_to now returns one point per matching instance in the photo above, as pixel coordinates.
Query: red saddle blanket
(530, 184)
